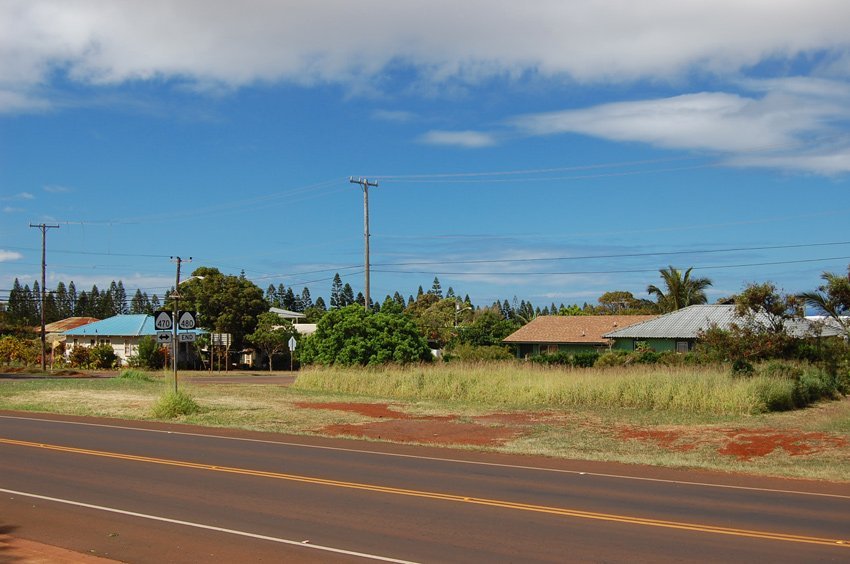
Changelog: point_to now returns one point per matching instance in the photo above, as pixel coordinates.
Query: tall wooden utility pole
(365, 183)
(43, 227)
(175, 346)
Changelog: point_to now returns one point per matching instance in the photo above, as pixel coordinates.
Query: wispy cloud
(20, 196)
(56, 189)
(396, 116)
(468, 139)
(791, 123)
(11, 209)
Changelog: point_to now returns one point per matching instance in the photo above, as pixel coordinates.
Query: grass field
(597, 415)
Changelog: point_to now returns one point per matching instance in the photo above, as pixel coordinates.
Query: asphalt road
(144, 492)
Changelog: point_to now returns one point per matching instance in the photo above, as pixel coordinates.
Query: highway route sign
(162, 320)
(186, 320)
(163, 337)
(186, 337)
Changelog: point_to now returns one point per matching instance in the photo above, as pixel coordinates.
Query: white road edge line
(438, 459)
(209, 527)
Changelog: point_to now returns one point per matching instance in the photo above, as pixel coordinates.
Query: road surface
(147, 492)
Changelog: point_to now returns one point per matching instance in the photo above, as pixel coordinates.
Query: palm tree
(680, 290)
(832, 299)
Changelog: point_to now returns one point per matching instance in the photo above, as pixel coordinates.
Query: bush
(150, 354)
(20, 351)
(175, 404)
(577, 360)
(79, 357)
(136, 376)
(473, 353)
(102, 356)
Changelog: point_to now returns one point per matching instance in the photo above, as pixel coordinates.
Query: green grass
(709, 390)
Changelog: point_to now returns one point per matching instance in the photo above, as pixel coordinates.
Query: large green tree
(271, 336)
(351, 336)
(679, 290)
(225, 303)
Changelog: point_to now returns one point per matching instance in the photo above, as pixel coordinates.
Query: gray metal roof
(689, 322)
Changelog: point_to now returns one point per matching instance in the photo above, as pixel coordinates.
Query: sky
(547, 150)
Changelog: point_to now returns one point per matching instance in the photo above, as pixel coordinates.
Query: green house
(679, 330)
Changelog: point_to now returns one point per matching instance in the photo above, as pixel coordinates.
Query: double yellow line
(765, 535)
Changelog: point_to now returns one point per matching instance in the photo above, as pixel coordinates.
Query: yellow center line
(446, 497)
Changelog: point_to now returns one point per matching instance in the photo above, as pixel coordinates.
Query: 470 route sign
(162, 320)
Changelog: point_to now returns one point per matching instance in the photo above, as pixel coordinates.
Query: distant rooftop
(689, 322)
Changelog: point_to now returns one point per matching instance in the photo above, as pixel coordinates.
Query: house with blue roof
(122, 332)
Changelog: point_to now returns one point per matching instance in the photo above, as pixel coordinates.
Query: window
(548, 349)
(682, 346)
(127, 348)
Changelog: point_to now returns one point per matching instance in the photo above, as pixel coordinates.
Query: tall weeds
(685, 389)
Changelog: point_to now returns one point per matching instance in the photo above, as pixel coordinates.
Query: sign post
(292, 344)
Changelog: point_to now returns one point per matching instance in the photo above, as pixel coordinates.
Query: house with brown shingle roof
(569, 333)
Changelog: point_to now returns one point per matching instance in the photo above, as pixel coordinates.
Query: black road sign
(187, 320)
(162, 320)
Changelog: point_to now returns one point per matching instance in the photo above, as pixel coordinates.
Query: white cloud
(6, 256)
(220, 41)
(468, 139)
(10, 209)
(20, 196)
(792, 123)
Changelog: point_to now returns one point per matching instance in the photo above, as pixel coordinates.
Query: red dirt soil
(744, 444)
(496, 428)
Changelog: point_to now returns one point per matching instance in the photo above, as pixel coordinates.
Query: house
(679, 330)
(54, 333)
(569, 333)
(295, 318)
(122, 332)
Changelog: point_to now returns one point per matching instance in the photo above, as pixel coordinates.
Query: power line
(627, 271)
(620, 255)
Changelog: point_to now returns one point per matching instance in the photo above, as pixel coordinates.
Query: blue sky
(551, 151)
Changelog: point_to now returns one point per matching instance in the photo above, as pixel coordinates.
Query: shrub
(18, 350)
(175, 404)
(135, 375)
(742, 367)
(472, 353)
(150, 354)
(79, 357)
(102, 356)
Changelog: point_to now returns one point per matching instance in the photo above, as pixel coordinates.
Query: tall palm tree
(679, 290)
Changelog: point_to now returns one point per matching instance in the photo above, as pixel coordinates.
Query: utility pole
(365, 183)
(176, 296)
(43, 227)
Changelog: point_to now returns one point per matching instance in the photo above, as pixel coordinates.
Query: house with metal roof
(679, 330)
(122, 332)
(568, 333)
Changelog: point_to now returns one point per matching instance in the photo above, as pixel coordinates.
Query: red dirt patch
(746, 444)
(665, 439)
(377, 410)
(429, 432)
(404, 427)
